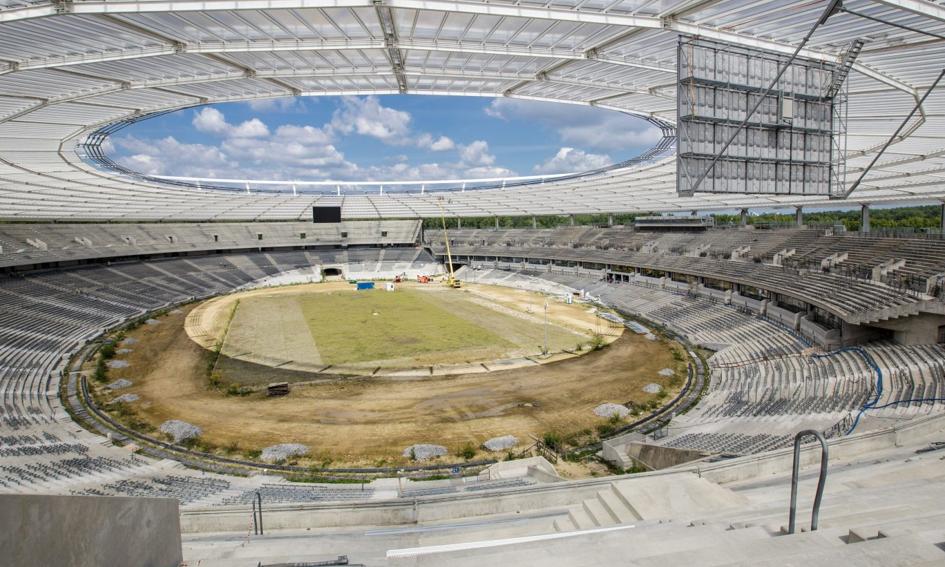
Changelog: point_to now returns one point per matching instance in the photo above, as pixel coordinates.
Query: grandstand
(783, 329)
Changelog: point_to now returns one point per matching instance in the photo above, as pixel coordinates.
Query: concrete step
(677, 496)
(656, 545)
(726, 548)
(581, 519)
(598, 513)
(564, 524)
(611, 500)
(901, 551)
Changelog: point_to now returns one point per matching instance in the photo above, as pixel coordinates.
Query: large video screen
(326, 214)
(790, 146)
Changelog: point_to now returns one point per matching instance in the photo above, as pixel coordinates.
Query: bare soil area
(368, 421)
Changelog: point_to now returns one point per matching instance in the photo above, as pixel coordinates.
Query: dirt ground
(369, 421)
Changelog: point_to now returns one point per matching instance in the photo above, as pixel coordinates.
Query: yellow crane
(451, 280)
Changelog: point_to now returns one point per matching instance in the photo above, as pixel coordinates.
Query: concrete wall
(921, 329)
(88, 531)
(655, 457)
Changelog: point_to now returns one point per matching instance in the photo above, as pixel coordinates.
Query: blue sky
(380, 138)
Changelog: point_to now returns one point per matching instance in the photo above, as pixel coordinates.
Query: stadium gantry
(72, 69)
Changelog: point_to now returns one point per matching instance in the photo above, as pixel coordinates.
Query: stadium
(667, 360)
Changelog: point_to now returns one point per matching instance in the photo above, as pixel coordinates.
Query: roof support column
(941, 225)
(743, 217)
(497, 223)
(799, 216)
(535, 219)
(865, 218)
(610, 220)
(571, 220)
(459, 222)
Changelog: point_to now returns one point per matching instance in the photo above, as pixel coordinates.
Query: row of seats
(31, 244)
(765, 382)
(797, 248)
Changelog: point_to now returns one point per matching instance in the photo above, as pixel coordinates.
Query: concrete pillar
(743, 217)
(571, 220)
(942, 219)
(459, 222)
(865, 218)
(497, 223)
(534, 222)
(610, 218)
(799, 216)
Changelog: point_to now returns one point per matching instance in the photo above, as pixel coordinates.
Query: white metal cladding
(68, 68)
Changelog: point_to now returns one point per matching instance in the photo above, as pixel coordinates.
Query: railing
(815, 513)
(257, 525)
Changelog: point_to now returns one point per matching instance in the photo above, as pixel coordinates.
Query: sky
(383, 138)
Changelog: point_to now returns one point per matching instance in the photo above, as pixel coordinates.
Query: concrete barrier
(88, 531)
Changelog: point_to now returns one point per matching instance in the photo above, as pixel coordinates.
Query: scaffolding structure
(794, 144)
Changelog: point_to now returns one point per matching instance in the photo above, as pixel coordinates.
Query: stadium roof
(68, 68)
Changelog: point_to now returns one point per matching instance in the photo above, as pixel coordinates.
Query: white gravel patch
(180, 430)
(117, 364)
(501, 443)
(666, 372)
(652, 388)
(609, 410)
(124, 351)
(279, 453)
(152, 322)
(424, 451)
(129, 341)
(125, 399)
(119, 384)
(650, 337)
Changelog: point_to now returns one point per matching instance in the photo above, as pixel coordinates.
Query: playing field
(309, 328)
(368, 419)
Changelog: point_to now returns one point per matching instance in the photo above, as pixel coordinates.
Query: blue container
(365, 285)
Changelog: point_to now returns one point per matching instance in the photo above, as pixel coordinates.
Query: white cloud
(168, 156)
(250, 129)
(441, 144)
(292, 151)
(476, 154)
(581, 126)
(211, 121)
(570, 160)
(367, 117)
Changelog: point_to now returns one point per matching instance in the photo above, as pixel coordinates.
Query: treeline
(920, 217)
(526, 222)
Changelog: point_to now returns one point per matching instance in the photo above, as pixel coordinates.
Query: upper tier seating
(31, 244)
(806, 248)
(856, 301)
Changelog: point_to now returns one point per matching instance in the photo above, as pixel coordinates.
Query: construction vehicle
(451, 280)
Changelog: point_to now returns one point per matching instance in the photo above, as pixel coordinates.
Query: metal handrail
(815, 514)
(257, 525)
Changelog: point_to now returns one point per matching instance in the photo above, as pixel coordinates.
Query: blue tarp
(365, 285)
